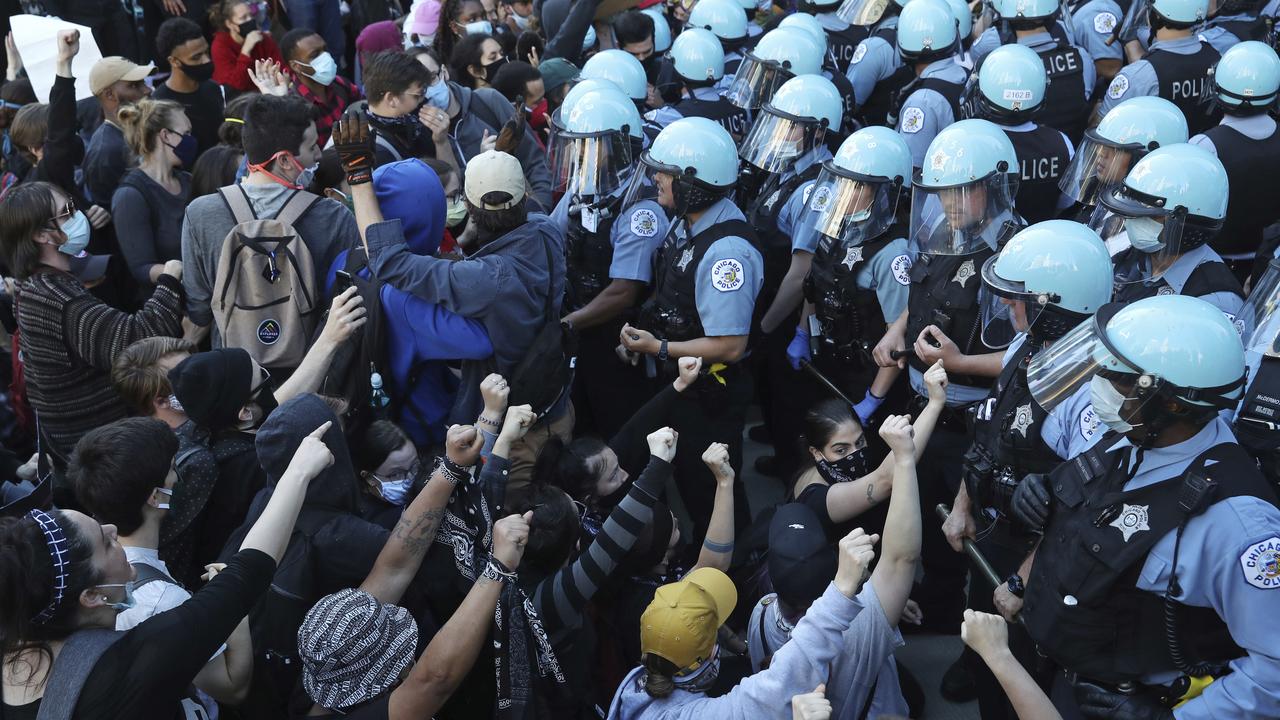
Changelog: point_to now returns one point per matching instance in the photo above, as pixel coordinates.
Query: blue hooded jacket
(420, 335)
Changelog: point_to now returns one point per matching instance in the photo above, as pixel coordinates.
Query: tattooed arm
(413, 534)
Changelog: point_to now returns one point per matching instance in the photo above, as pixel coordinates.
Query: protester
(476, 60)
(238, 43)
(313, 67)
(117, 83)
(183, 46)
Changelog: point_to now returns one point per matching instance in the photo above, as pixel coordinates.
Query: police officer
(609, 247)
(726, 21)
(1177, 66)
(1094, 25)
(706, 278)
(1245, 85)
(1008, 90)
(1048, 279)
(928, 40)
(876, 70)
(1160, 543)
(622, 69)
(1159, 222)
(1035, 24)
(1108, 151)
(697, 63)
(810, 25)
(861, 266)
(961, 208)
(781, 54)
(843, 38)
(1234, 21)
(1257, 421)
(785, 150)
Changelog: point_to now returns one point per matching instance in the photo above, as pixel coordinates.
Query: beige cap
(681, 623)
(110, 70)
(490, 172)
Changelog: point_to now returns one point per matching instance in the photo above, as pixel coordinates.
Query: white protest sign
(37, 41)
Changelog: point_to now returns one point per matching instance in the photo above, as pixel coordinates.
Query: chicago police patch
(727, 275)
(1104, 23)
(644, 223)
(902, 269)
(1089, 422)
(1119, 86)
(912, 120)
(858, 54)
(1260, 563)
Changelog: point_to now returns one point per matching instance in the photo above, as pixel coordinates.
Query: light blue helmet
(620, 68)
(697, 56)
(793, 122)
(780, 54)
(809, 24)
(1130, 130)
(927, 30)
(697, 150)
(1181, 12)
(875, 153)
(963, 195)
(601, 110)
(1011, 83)
(964, 17)
(865, 13)
(580, 88)
(855, 197)
(1247, 77)
(966, 152)
(1025, 9)
(722, 17)
(592, 152)
(1150, 122)
(661, 29)
(1060, 270)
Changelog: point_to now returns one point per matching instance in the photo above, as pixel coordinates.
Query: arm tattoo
(418, 533)
(871, 489)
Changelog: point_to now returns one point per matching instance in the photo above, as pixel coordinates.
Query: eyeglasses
(68, 211)
(265, 380)
(405, 476)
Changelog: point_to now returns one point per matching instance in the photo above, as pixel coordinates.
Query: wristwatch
(662, 351)
(1015, 585)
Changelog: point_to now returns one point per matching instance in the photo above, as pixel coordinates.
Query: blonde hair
(144, 120)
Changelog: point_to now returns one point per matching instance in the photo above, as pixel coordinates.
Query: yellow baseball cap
(680, 624)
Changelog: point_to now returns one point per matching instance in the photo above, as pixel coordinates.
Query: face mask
(199, 73)
(128, 602)
(1107, 402)
(186, 150)
(323, 68)
(1144, 234)
(307, 175)
(77, 230)
(651, 65)
(175, 405)
(491, 70)
(167, 493)
(422, 41)
(395, 491)
(701, 680)
(479, 27)
(247, 27)
(846, 469)
(521, 21)
(264, 169)
(437, 95)
(457, 213)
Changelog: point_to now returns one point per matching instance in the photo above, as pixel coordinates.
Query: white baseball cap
(494, 172)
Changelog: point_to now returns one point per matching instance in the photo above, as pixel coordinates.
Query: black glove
(1031, 501)
(354, 142)
(1098, 703)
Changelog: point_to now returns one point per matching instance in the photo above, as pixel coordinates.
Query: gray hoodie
(797, 668)
(473, 121)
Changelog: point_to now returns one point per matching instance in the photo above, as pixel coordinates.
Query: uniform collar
(709, 94)
(720, 211)
(1166, 462)
(1182, 46)
(1181, 269)
(1036, 41)
(1255, 127)
(938, 67)
(821, 153)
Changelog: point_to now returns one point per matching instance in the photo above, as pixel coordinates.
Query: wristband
(491, 423)
(662, 351)
(496, 571)
(452, 471)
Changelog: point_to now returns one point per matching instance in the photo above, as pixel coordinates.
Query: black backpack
(546, 372)
(364, 353)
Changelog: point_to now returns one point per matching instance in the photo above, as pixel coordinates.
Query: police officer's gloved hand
(1031, 501)
(1102, 704)
(354, 143)
(799, 349)
(867, 407)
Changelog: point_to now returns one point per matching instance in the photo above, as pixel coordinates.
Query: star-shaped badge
(852, 256)
(964, 272)
(685, 259)
(1022, 419)
(1132, 519)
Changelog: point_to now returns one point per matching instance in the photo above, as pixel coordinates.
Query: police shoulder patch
(1119, 86)
(902, 269)
(912, 120)
(1089, 422)
(644, 223)
(1260, 563)
(859, 53)
(1104, 23)
(727, 275)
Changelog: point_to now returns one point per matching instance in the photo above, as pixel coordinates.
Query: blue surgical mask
(307, 175)
(125, 604)
(479, 27)
(77, 230)
(522, 22)
(1107, 401)
(395, 492)
(1144, 233)
(323, 68)
(437, 94)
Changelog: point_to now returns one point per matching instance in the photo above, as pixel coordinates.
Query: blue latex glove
(867, 407)
(799, 348)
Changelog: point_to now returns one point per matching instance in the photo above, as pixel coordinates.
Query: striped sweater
(70, 340)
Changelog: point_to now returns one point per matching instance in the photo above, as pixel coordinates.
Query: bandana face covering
(846, 469)
(701, 679)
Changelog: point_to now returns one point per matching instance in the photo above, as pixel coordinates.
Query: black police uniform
(951, 92)
(1257, 425)
(841, 45)
(1043, 155)
(1184, 80)
(1252, 205)
(1065, 107)
(730, 116)
(1206, 279)
(875, 111)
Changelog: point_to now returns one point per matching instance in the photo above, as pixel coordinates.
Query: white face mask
(1107, 401)
(1144, 234)
(167, 493)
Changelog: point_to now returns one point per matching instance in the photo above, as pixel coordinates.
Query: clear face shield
(590, 164)
(755, 82)
(1130, 218)
(1260, 317)
(777, 140)
(960, 219)
(1097, 168)
(846, 209)
(1062, 369)
(651, 181)
(862, 12)
(1007, 307)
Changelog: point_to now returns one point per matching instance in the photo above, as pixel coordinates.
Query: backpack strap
(296, 206)
(237, 201)
(147, 574)
(385, 144)
(79, 655)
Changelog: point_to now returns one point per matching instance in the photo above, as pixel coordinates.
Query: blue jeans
(323, 16)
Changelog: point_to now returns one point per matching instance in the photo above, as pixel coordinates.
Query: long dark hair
(381, 439)
(659, 676)
(467, 53)
(25, 210)
(822, 422)
(445, 39)
(554, 530)
(26, 587)
(568, 467)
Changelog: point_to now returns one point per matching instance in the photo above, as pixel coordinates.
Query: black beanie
(213, 386)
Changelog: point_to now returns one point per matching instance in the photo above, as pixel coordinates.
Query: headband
(237, 121)
(57, 542)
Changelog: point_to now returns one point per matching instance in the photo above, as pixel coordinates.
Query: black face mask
(199, 73)
(491, 71)
(651, 65)
(247, 27)
(846, 469)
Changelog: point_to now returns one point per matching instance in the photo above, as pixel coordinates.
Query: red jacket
(231, 67)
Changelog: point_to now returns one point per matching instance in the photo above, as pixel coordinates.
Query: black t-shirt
(204, 110)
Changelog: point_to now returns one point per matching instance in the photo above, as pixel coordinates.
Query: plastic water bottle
(378, 399)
